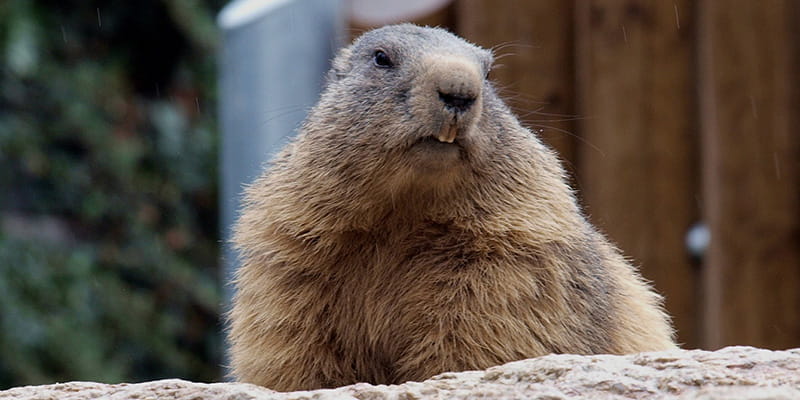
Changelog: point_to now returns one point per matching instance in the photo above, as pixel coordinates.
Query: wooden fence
(669, 114)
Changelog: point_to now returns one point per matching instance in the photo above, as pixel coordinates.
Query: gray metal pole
(274, 57)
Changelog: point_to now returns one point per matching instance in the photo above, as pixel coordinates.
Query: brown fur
(369, 256)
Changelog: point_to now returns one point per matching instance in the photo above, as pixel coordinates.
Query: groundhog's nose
(457, 83)
(457, 102)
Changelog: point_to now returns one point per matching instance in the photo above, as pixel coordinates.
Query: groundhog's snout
(458, 83)
(456, 90)
(455, 102)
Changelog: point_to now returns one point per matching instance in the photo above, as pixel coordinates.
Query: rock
(730, 373)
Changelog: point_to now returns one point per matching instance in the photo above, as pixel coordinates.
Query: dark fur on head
(415, 227)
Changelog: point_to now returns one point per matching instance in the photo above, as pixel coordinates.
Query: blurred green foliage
(108, 210)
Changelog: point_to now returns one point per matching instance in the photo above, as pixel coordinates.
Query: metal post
(274, 56)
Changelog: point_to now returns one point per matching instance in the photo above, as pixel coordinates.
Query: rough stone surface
(730, 373)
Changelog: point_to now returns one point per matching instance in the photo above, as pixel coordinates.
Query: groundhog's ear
(341, 64)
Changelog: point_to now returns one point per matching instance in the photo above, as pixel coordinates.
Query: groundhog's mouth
(435, 141)
(447, 137)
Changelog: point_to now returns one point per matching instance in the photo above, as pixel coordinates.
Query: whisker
(568, 133)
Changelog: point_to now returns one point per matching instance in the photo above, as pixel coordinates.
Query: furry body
(373, 253)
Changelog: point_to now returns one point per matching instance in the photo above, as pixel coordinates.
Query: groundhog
(414, 227)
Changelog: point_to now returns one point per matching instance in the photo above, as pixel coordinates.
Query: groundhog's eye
(381, 59)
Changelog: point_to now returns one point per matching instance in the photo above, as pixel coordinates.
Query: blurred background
(672, 117)
(109, 239)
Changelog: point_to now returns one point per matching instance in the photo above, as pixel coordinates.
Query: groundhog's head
(408, 103)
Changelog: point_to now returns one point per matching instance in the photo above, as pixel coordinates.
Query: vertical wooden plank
(637, 161)
(751, 146)
(533, 44)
